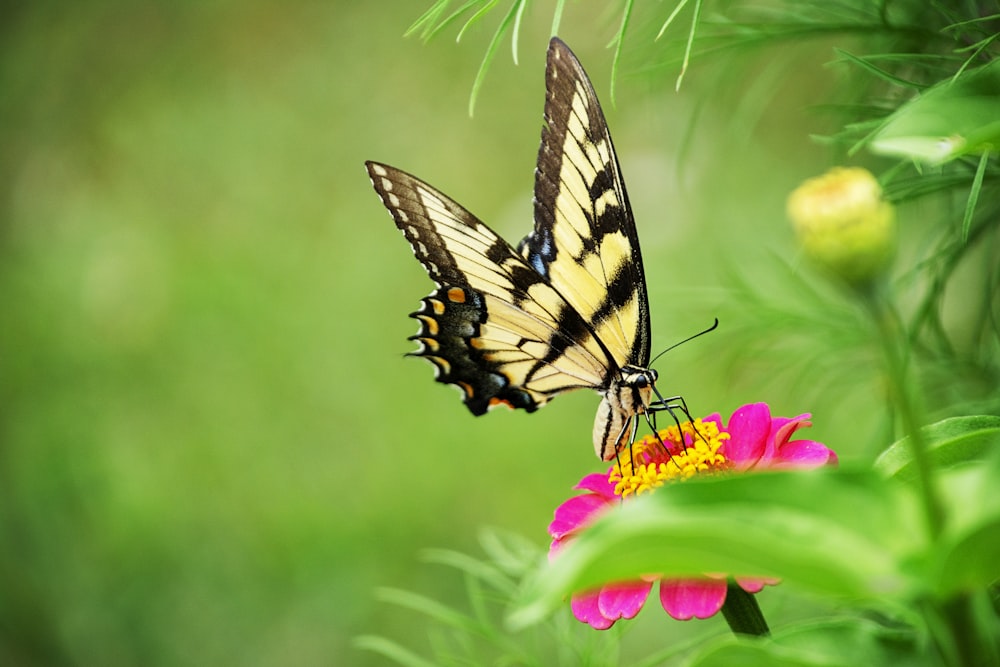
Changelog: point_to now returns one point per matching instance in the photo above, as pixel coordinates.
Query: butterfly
(567, 309)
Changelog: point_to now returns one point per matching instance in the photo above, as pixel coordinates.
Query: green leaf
(514, 554)
(488, 5)
(425, 24)
(557, 17)
(619, 42)
(968, 556)
(950, 442)
(430, 608)
(483, 571)
(392, 650)
(848, 642)
(977, 187)
(831, 532)
(509, 19)
(431, 31)
(869, 65)
(953, 118)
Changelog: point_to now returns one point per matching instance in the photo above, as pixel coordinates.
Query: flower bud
(844, 224)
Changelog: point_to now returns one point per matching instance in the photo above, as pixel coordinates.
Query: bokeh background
(213, 449)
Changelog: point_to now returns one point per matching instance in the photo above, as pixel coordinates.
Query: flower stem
(893, 347)
(742, 612)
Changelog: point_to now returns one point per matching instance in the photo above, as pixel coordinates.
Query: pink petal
(685, 599)
(586, 610)
(805, 454)
(623, 600)
(598, 483)
(575, 513)
(756, 584)
(783, 428)
(780, 422)
(748, 428)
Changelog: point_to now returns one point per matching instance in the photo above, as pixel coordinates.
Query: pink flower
(752, 439)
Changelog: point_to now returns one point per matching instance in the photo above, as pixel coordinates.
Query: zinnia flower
(751, 439)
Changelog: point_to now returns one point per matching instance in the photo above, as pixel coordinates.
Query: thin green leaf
(619, 42)
(478, 569)
(670, 19)
(517, 28)
(876, 126)
(867, 65)
(429, 607)
(513, 554)
(391, 650)
(690, 43)
(973, 21)
(976, 49)
(425, 23)
(912, 188)
(475, 18)
(491, 51)
(557, 17)
(454, 16)
(478, 601)
(977, 186)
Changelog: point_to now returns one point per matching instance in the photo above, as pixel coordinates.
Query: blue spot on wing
(538, 250)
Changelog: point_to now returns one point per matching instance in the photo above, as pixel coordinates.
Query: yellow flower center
(675, 455)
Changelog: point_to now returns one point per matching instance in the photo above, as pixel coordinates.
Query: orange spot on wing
(431, 344)
(430, 324)
(440, 362)
(456, 295)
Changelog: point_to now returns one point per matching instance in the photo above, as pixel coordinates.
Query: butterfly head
(629, 395)
(640, 378)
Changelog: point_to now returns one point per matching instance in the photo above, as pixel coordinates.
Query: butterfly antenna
(715, 325)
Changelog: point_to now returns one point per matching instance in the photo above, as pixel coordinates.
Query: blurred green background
(213, 450)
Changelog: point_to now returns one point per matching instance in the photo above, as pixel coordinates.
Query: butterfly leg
(670, 405)
(631, 426)
(650, 415)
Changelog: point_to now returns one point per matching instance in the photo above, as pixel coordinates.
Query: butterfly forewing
(584, 240)
(495, 327)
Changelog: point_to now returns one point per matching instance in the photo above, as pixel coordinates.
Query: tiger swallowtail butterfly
(565, 310)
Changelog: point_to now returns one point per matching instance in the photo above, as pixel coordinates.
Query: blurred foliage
(211, 450)
(479, 634)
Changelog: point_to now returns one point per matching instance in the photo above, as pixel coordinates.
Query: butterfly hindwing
(584, 241)
(494, 327)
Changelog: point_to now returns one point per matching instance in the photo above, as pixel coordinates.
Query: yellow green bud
(844, 224)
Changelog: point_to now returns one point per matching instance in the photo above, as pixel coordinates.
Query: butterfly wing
(494, 327)
(584, 241)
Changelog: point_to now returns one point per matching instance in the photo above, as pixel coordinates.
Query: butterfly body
(566, 309)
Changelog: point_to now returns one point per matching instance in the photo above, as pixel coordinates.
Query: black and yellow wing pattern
(565, 310)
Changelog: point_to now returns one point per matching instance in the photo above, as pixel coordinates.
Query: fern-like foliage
(477, 634)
